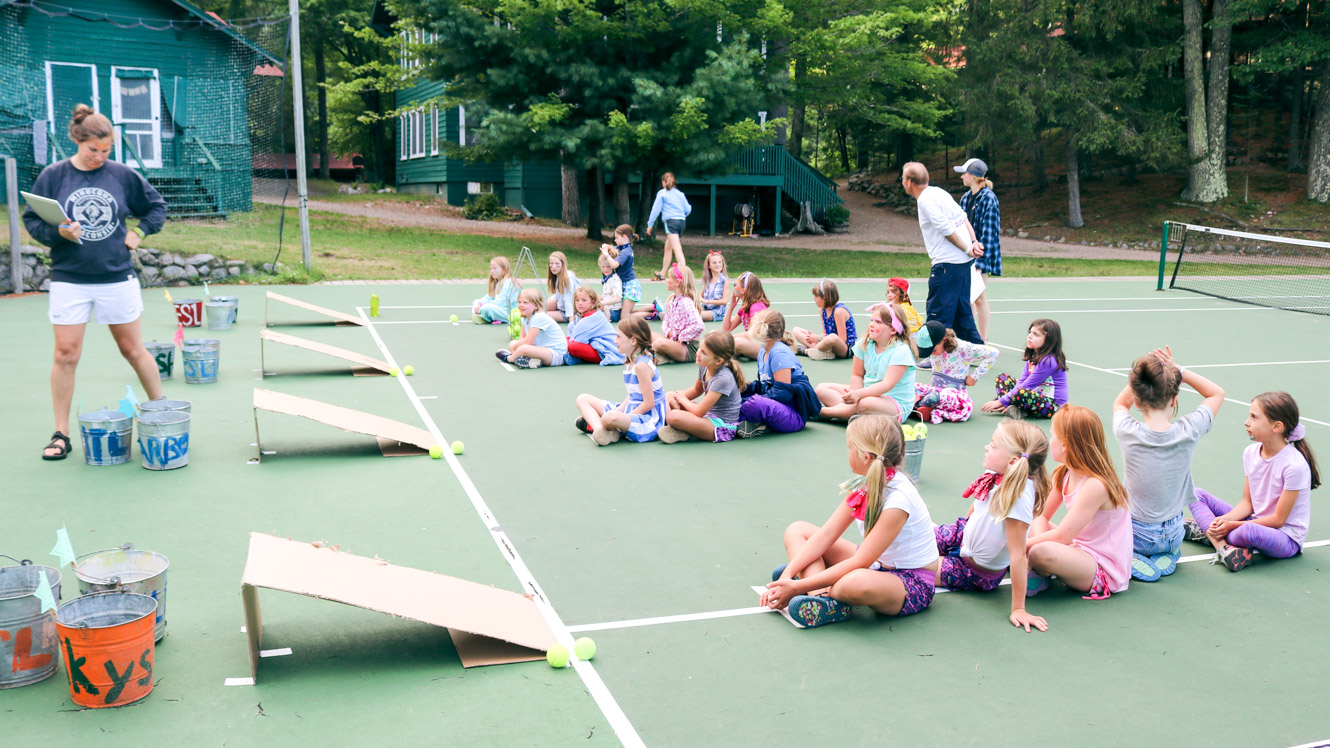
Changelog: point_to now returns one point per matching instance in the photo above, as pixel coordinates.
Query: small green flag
(44, 593)
(63, 550)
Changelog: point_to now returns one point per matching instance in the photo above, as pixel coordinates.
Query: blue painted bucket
(184, 406)
(164, 439)
(234, 301)
(201, 362)
(164, 355)
(215, 343)
(218, 314)
(108, 437)
(29, 648)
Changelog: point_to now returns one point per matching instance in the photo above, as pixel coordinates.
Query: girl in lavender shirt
(1043, 387)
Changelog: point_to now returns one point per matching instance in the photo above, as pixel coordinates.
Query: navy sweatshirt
(100, 201)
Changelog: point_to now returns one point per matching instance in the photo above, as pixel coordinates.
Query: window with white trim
(136, 113)
(467, 132)
(404, 136)
(434, 130)
(417, 133)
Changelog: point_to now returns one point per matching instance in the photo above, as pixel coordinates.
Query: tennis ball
(394, 372)
(453, 318)
(557, 656)
(436, 452)
(409, 370)
(584, 648)
(458, 447)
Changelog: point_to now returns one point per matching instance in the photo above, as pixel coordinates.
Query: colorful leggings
(1268, 540)
(961, 573)
(1033, 403)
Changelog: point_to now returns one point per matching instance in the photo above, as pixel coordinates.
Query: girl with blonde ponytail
(892, 570)
(977, 549)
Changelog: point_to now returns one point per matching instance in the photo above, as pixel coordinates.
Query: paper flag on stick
(206, 292)
(63, 550)
(180, 334)
(129, 404)
(44, 594)
(169, 300)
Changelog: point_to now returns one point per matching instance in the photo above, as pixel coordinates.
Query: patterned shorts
(918, 589)
(962, 574)
(1099, 588)
(632, 290)
(724, 431)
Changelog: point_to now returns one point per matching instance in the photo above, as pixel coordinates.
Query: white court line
(614, 714)
(1257, 363)
(249, 681)
(1243, 403)
(275, 652)
(429, 397)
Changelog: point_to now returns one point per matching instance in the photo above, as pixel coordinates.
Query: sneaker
(800, 349)
(605, 437)
(1191, 530)
(750, 429)
(1235, 558)
(775, 573)
(525, 362)
(671, 435)
(924, 363)
(1166, 563)
(660, 308)
(820, 355)
(582, 426)
(479, 320)
(503, 355)
(1143, 568)
(1014, 412)
(811, 611)
(1035, 583)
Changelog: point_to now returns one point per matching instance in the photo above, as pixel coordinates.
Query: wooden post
(11, 196)
(777, 209)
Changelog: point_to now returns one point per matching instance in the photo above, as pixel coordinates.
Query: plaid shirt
(986, 217)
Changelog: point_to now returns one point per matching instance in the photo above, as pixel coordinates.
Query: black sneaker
(582, 426)
(525, 362)
(750, 429)
(502, 355)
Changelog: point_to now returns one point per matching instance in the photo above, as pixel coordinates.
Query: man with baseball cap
(952, 246)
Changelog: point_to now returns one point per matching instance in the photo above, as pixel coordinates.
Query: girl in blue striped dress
(642, 414)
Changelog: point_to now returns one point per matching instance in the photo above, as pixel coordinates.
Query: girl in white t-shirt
(892, 570)
(977, 549)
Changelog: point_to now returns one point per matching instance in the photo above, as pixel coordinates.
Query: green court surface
(615, 537)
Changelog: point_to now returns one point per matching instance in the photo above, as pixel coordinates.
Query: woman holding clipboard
(91, 269)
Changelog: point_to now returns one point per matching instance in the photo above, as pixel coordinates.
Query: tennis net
(1272, 271)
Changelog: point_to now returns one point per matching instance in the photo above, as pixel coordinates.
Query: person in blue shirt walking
(672, 206)
(981, 207)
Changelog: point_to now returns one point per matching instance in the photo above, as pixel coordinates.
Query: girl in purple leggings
(1275, 509)
(1042, 388)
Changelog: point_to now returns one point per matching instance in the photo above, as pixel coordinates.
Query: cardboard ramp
(396, 439)
(365, 365)
(488, 626)
(338, 317)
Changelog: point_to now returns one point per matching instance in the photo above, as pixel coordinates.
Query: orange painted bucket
(108, 647)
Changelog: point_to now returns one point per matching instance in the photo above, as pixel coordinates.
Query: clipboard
(48, 210)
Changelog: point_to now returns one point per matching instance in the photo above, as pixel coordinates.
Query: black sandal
(56, 440)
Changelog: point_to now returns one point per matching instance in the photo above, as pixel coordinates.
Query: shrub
(837, 214)
(484, 207)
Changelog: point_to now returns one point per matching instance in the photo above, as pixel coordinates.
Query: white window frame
(417, 117)
(50, 93)
(461, 125)
(404, 137)
(117, 117)
(434, 130)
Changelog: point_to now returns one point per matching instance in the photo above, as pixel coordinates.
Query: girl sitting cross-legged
(714, 417)
(947, 395)
(501, 299)
(749, 301)
(591, 337)
(838, 336)
(1042, 389)
(882, 375)
(781, 399)
(682, 322)
(542, 343)
(642, 414)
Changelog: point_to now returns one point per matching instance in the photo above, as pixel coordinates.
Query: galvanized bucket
(182, 406)
(164, 439)
(914, 458)
(218, 314)
(234, 301)
(164, 355)
(126, 569)
(215, 343)
(108, 436)
(108, 647)
(29, 647)
(201, 364)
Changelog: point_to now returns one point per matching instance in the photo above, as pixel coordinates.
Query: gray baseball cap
(974, 166)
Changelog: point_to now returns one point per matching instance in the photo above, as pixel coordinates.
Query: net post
(15, 251)
(298, 105)
(1163, 256)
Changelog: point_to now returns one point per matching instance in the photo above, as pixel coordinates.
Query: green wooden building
(177, 83)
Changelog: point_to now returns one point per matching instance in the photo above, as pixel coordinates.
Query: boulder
(148, 275)
(1022, 235)
(235, 263)
(233, 271)
(172, 272)
(191, 272)
(148, 258)
(199, 259)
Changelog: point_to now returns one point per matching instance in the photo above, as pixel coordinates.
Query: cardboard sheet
(396, 439)
(341, 319)
(488, 626)
(366, 366)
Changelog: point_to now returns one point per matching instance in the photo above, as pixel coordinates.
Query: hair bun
(81, 112)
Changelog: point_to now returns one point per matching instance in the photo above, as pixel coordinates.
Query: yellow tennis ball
(557, 656)
(394, 372)
(458, 447)
(409, 370)
(584, 648)
(453, 318)
(436, 452)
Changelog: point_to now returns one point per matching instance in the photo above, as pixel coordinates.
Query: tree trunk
(1216, 105)
(321, 78)
(1207, 178)
(572, 204)
(904, 148)
(1038, 173)
(595, 204)
(795, 145)
(622, 214)
(1193, 74)
(843, 145)
(645, 197)
(1073, 182)
(860, 153)
(1318, 155)
(378, 133)
(1297, 92)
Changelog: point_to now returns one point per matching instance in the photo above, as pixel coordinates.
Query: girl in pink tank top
(1091, 549)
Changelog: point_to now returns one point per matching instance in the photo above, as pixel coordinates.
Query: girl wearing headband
(882, 376)
(682, 323)
(715, 288)
(898, 293)
(838, 335)
(749, 300)
(891, 571)
(1275, 509)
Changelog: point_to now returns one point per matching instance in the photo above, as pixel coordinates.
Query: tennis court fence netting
(1281, 272)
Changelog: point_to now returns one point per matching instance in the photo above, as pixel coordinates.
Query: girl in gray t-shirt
(1156, 454)
(708, 410)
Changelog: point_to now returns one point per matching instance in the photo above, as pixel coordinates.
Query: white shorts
(115, 303)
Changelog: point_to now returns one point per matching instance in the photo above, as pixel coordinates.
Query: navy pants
(949, 299)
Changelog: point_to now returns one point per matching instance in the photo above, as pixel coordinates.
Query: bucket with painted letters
(164, 355)
(234, 301)
(164, 439)
(215, 343)
(218, 314)
(189, 312)
(126, 569)
(201, 363)
(108, 647)
(183, 406)
(29, 649)
(108, 436)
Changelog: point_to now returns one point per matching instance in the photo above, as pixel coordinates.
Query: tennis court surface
(651, 549)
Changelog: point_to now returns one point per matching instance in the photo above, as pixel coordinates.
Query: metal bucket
(219, 315)
(126, 569)
(28, 645)
(108, 647)
(201, 363)
(189, 312)
(164, 355)
(914, 458)
(164, 439)
(108, 437)
(202, 341)
(153, 406)
(234, 301)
